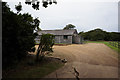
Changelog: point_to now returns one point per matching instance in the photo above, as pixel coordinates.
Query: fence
(115, 43)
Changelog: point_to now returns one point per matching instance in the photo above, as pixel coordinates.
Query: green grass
(61, 43)
(36, 43)
(36, 71)
(106, 43)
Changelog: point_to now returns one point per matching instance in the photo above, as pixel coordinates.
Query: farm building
(62, 36)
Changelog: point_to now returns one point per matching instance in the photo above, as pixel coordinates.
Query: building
(62, 36)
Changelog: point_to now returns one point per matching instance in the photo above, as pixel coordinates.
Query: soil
(92, 60)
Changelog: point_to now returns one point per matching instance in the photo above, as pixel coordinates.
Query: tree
(96, 34)
(17, 35)
(36, 24)
(35, 3)
(18, 7)
(99, 34)
(81, 33)
(46, 43)
(115, 36)
(69, 26)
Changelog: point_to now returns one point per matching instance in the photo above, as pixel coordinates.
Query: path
(92, 60)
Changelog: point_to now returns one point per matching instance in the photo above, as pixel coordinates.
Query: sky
(84, 14)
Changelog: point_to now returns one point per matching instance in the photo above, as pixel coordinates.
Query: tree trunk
(37, 55)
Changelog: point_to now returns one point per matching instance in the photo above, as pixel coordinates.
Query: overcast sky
(84, 14)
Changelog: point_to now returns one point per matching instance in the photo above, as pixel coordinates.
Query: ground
(92, 60)
(28, 68)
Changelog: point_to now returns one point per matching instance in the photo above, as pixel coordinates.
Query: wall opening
(65, 37)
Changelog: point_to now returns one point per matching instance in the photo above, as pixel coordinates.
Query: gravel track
(92, 60)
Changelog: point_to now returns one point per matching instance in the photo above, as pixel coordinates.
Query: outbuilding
(69, 36)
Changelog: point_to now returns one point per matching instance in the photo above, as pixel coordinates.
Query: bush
(46, 43)
(17, 36)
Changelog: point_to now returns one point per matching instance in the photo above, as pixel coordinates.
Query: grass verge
(38, 70)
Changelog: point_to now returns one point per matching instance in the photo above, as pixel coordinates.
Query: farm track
(92, 60)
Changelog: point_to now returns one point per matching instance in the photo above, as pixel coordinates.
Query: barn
(69, 36)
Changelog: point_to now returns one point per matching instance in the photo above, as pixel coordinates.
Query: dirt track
(91, 60)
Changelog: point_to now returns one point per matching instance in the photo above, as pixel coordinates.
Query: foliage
(18, 7)
(35, 3)
(17, 35)
(46, 43)
(69, 26)
(38, 70)
(99, 34)
(36, 23)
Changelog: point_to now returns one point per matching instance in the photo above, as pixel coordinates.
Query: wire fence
(115, 44)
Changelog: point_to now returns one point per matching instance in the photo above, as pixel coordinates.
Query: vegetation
(35, 70)
(18, 40)
(46, 43)
(69, 26)
(17, 35)
(61, 43)
(18, 7)
(36, 3)
(99, 34)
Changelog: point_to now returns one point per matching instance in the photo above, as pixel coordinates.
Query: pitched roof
(58, 32)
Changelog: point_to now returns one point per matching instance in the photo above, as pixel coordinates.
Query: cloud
(84, 14)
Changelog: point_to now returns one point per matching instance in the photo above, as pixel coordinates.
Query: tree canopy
(99, 34)
(18, 7)
(69, 26)
(17, 35)
(35, 3)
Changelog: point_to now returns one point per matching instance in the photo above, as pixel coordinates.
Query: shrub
(46, 43)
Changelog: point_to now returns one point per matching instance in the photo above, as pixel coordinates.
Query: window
(65, 37)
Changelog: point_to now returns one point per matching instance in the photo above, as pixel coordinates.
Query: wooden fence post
(110, 42)
(118, 44)
(115, 43)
